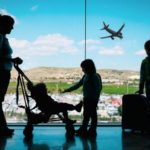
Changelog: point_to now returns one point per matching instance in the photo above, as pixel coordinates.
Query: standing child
(92, 86)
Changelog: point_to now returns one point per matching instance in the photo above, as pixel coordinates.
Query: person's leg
(66, 119)
(86, 115)
(2, 117)
(63, 108)
(82, 131)
(65, 114)
(148, 98)
(93, 115)
(4, 82)
(66, 106)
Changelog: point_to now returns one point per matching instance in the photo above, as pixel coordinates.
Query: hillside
(72, 74)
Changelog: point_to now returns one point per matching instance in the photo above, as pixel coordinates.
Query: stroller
(34, 118)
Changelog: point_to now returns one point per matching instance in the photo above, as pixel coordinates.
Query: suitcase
(135, 112)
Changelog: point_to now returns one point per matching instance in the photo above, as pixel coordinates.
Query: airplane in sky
(112, 32)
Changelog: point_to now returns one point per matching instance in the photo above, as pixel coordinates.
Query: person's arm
(142, 78)
(97, 82)
(1, 49)
(1, 42)
(16, 60)
(75, 86)
(30, 86)
(100, 83)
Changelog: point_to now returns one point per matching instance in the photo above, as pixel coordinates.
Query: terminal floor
(53, 138)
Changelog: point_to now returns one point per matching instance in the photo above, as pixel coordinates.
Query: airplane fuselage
(113, 33)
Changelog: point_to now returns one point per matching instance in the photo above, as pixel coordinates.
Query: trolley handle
(21, 72)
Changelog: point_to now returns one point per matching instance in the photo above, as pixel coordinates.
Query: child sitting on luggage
(48, 105)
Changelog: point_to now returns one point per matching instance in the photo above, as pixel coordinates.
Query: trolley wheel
(28, 130)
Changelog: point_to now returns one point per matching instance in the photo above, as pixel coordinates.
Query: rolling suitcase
(135, 112)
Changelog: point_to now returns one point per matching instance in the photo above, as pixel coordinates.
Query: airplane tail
(105, 26)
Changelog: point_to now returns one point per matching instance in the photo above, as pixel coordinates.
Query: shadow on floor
(135, 141)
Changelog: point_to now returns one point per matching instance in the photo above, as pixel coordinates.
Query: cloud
(44, 45)
(4, 12)
(19, 44)
(91, 44)
(35, 7)
(140, 52)
(116, 50)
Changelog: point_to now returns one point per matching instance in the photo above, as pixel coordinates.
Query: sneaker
(79, 106)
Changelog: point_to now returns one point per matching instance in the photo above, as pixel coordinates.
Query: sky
(51, 33)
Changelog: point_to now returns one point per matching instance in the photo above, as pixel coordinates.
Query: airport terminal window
(52, 38)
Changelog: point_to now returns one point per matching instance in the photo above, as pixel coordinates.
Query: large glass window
(52, 37)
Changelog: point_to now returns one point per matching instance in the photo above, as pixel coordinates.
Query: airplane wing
(121, 28)
(110, 36)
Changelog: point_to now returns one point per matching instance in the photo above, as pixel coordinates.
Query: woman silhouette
(6, 62)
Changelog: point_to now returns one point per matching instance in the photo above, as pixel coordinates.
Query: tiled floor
(53, 138)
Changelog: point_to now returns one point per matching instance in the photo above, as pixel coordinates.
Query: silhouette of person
(49, 106)
(92, 86)
(6, 61)
(145, 73)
